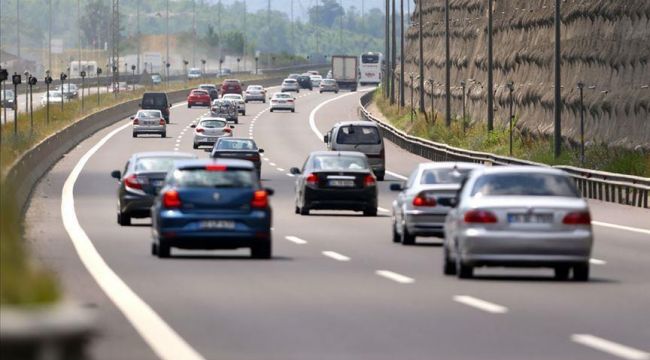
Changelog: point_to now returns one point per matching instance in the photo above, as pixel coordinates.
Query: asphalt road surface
(337, 287)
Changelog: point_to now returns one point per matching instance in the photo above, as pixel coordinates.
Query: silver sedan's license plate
(217, 224)
(341, 183)
(530, 218)
(158, 183)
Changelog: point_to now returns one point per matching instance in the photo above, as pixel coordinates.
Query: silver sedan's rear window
(524, 184)
(443, 176)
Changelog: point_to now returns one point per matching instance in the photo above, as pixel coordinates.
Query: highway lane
(307, 304)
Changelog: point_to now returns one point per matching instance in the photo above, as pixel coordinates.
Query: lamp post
(205, 68)
(62, 77)
(133, 72)
(31, 81)
(167, 65)
(115, 91)
(48, 81)
(26, 74)
(83, 77)
(220, 64)
(185, 62)
(462, 85)
(16, 80)
(99, 72)
(581, 86)
(411, 75)
(238, 60)
(256, 63)
(4, 75)
(557, 131)
(490, 78)
(511, 88)
(433, 113)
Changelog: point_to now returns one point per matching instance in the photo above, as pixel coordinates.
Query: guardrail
(599, 185)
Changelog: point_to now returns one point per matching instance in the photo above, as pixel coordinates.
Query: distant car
(55, 97)
(315, 80)
(239, 100)
(231, 86)
(156, 79)
(255, 93)
(143, 176)
(313, 72)
(519, 216)
(329, 75)
(329, 85)
(194, 73)
(212, 204)
(224, 72)
(69, 90)
(149, 122)
(362, 136)
(289, 85)
(8, 99)
(336, 180)
(119, 86)
(226, 109)
(198, 97)
(418, 208)
(304, 81)
(293, 76)
(156, 101)
(212, 90)
(283, 101)
(209, 130)
(238, 148)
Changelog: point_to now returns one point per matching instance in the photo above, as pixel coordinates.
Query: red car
(198, 97)
(231, 86)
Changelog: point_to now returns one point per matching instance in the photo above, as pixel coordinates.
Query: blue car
(212, 204)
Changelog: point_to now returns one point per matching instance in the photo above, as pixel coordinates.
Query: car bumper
(149, 129)
(283, 106)
(289, 89)
(422, 223)
(206, 140)
(137, 206)
(255, 98)
(326, 89)
(341, 199)
(516, 248)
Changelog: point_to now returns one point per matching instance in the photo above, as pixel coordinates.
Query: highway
(337, 287)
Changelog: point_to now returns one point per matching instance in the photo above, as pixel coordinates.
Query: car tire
(135, 135)
(163, 135)
(304, 210)
(154, 249)
(581, 272)
(462, 270)
(236, 121)
(189, 106)
(195, 146)
(562, 273)
(320, 92)
(448, 267)
(380, 176)
(164, 250)
(297, 210)
(407, 239)
(244, 113)
(262, 251)
(123, 219)
(263, 101)
(271, 110)
(370, 211)
(396, 237)
(336, 92)
(293, 110)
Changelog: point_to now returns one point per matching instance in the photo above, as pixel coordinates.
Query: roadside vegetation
(526, 145)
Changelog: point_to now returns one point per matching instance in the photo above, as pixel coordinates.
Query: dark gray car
(139, 182)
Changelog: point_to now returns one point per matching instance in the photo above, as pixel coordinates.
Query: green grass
(525, 145)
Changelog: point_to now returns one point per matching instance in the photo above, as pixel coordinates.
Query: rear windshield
(254, 88)
(239, 178)
(154, 100)
(289, 81)
(328, 82)
(358, 135)
(149, 114)
(156, 164)
(236, 145)
(231, 82)
(208, 87)
(524, 185)
(232, 96)
(282, 96)
(370, 59)
(335, 163)
(444, 176)
(213, 124)
(199, 92)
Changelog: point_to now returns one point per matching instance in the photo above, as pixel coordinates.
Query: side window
(306, 165)
(411, 179)
(126, 167)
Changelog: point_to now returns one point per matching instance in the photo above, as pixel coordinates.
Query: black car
(304, 81)
(156, 101)
(143, 176)
(238, 148)
(336, 180)
(8, 99)
(211, 89)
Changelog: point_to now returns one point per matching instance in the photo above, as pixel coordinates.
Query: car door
(300, 182)
(402, 197)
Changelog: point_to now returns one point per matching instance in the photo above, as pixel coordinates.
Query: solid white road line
(382, 209)
(296, 240)
(290, 174)
(336, 256)
(280, 169)
(595, 261)
(610, 347)
(396, 175)
(395, 276)
(621, 227)
(480, 304)
(312, 115)
(272, 163)
(162, 339)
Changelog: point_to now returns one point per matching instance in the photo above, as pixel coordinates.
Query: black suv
(156, 101)
(211, 89)
(304, 81)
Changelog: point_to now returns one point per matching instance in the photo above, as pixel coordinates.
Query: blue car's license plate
(217, 224)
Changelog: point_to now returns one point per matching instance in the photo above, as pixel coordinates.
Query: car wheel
(163, 135)
(195, 146)
(236, 121)
(396, 236)
(304, 210)
(135, 135)
(449, 267)
(320, 92)
(380, 176)
(371, 211)
(271, 110)
(263, 101)
(164, 250)
(336, 92)
(581, 272)
(244, 113)
(407, 239)
(154, 249)
(189, 106)
(123, 219)
(463, 271)
(262, 251)
(561, 273)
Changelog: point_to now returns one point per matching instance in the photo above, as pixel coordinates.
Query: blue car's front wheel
(261, 251)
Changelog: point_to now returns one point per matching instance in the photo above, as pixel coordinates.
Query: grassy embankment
(526, 145)
(22, 282)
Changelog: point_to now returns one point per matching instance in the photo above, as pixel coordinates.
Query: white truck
(345, 70)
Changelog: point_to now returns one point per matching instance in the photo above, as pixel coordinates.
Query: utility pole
(447, 68)
(393, 55)
(17, 31)
(341, 26)
(268, 24)
(49, 37)
(421, 58)
(167, 39)
(243, 32)
(115, 55)
(557, 133)
(193, 33)
(401, 56)
(79, 38)
(292, 29)
(137, 22)
(387, 78)
(490, 84)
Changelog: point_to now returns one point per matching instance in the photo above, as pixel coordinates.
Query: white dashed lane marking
(296, 240)
(610, 347)
(595, 261)
(481, 304)
(336, 256)
(395, 276)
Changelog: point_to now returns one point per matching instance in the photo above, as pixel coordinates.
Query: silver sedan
(417, 210)
(519, 216)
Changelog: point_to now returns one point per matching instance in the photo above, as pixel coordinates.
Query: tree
(325, 14)
(212, 38)
(95, 23)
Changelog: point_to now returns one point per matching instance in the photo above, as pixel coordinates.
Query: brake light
(290, 101)
(312, 179)
(213, 109)
(171, 199)
(216, 167)
(133, 182)
(200, 130)
(162, 121)
(577, 218)
(423, 200)
(227, 131)
(369, 180)
(480, 216)
(136, 121)
(260, 200)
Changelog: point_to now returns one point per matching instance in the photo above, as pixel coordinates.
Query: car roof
(337, 153)
(212, 118)
(204, 162)
(356, 123)
(154, 93)
(208, 85)
(450, 164)
(289, 79)
(163, 154)
(236, 139)
(518, 169)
